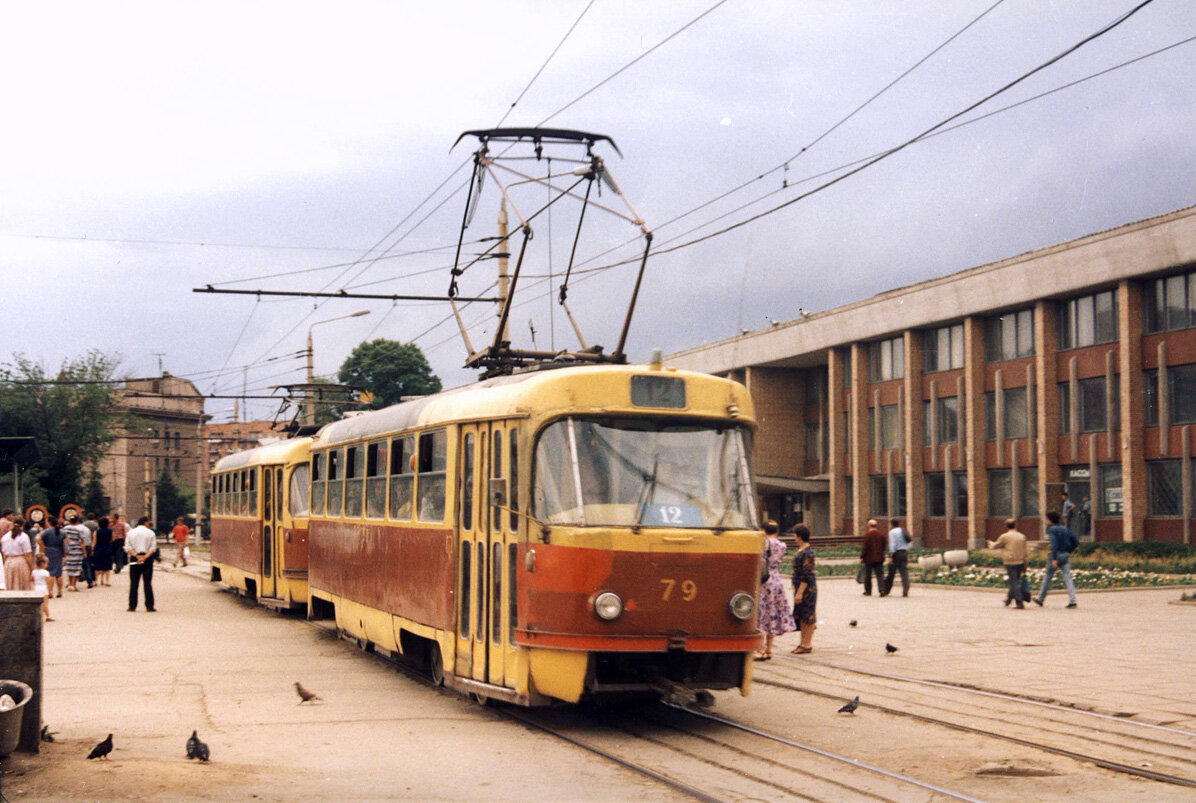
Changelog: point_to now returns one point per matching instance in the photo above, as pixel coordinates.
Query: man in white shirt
(898, 558)
(141, 544)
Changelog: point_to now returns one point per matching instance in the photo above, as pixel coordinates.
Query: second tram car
(546, 536)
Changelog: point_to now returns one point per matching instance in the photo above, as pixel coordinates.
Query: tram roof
(277, 452)
(498, 397)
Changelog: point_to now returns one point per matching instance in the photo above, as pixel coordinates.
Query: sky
(152, 148)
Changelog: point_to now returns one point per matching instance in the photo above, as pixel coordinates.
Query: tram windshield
(644, 472)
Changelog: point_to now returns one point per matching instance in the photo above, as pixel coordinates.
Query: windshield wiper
(648, 492)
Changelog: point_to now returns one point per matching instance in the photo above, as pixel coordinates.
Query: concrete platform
(211, 662)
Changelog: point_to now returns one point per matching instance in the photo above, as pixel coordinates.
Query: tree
(390, 370)
(70, 414)
(94, 500)
(172, 503)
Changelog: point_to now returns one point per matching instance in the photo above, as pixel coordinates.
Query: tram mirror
(498, 490)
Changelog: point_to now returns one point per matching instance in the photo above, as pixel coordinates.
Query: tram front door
(270, 520)
(485, 554)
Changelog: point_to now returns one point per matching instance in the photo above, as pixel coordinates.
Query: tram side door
(269, 558)
(469, 522)
(503, 504)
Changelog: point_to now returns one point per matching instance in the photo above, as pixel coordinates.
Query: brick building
(237, 436)
(165, 432)
(964, 400)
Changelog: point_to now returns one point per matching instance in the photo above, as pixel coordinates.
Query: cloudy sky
(150, 148)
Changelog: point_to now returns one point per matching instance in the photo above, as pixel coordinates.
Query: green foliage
(172, 503)
(72, 422)
(390, 370)
(94, 500)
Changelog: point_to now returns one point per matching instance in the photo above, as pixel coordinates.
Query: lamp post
(310, 417)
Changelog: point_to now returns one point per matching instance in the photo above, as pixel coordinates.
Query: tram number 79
(689, 589)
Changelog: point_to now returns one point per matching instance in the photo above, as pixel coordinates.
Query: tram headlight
(742, 605)
(608, 606)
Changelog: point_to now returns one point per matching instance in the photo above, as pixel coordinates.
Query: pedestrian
(101, 555)
(1069, 510)
(89, 570)
(1063, 541)
(899, 542)
(52, 543)
(872, 555)
(6, 517)
(40, 575)
(18, 556)
(119, 529)
(1084, 518)
(141, 544)
(1013, 544)
(805, 590)
(77, 542)
(181, 534)
(776, 618)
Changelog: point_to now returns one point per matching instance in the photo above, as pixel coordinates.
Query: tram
(551, 535)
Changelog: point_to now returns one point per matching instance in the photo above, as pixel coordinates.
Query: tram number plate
(687, 589)
(673, 515)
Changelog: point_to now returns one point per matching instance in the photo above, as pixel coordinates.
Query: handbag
(861, 573)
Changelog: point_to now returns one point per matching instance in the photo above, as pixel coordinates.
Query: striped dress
(73, 553)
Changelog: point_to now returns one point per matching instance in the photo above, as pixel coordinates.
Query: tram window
(375, 480)
(513, 481)
(267, 497)
(354, 479)
(297, 501)
(496, 596)
(402, 477)
(432, 463)
(317, 484)
(216, 500)
(238, 493)
(466, 592)
(467, 483)
(221, 493)
(252, 511)
(480, 631)
(496, 456)
(278, 490)
(513, 617)
(335, 481)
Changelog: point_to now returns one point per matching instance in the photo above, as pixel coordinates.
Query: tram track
(1145, 750)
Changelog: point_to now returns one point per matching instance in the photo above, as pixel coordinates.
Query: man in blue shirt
(1062, 543)
(898, 559)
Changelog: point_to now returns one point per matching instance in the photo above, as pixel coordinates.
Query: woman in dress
(776, 619)
(805, 589)
(101, 553)
(74, 551)
(18, 557)
(50, 542)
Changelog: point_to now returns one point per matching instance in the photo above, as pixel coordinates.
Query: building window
(880, 496)
(1163, 484)
(815, 382)
(1093, 411)
(959, 482)
(816, 447)
(1171, 303)
(943, 349)
(1017, 414)
(1009, 336)
(890, 427)
(847, 433)
(936, 497)
(1181, 393)
(947, 422)
(1088, 320)
(1029, 492)
(1000, 492)
(1110, 489)
(849, 494)
(886, 360)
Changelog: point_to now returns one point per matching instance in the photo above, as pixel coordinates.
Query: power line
(191, 243)
(551, 55)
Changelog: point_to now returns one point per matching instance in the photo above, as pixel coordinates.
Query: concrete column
(1046, 374)
(1133, 411)
(915, 479)
(972, 410)
(838, 364)
(860, 443)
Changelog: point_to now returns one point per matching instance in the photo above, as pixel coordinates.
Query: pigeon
(102, 749)
(196, 748)
(889, 648)
(47, 734)
(853, 623)
(850, 707)
(305, 696)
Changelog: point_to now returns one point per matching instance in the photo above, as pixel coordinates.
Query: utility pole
(503, 260)
(199, 483)
(309, 413)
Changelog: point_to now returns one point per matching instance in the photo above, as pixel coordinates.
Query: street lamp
(310, 417)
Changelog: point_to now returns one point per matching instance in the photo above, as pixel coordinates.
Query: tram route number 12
(689, 589)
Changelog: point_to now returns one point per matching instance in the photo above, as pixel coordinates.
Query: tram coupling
(676, 694)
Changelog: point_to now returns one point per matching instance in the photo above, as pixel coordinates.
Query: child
(39, 583)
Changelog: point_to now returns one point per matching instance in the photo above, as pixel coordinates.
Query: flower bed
(988, 577)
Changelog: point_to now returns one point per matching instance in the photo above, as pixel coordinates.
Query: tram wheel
(435, 664)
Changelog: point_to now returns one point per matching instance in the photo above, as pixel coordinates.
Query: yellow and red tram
(549, 535)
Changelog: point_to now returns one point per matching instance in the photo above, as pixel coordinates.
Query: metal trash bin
(10, 720)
